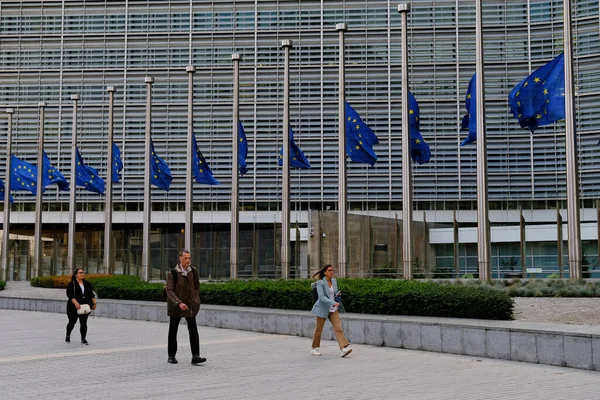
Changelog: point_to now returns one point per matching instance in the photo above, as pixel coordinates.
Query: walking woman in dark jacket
(79, 292)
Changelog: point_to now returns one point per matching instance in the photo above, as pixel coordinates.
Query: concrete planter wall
(552, 344)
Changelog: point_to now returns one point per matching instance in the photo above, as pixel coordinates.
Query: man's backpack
(315, 293)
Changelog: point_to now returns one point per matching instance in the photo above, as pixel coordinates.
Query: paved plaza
(128, 360)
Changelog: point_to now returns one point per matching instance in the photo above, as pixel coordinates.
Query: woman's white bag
(84, 309)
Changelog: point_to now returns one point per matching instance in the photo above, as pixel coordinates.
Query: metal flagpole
(37, 252)
(574, 230)
(285, 179)
(407, 211)
(483, 232)
(108, 211)
(235, 169)
(73, 188)
(396, 244)
(559, 241)
(597, 225)
(342, 184)
(522, 235)
(189, 176)
(146, 267)
(6, 223)
(456, 248)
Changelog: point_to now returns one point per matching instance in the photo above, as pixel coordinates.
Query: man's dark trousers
(193, 330)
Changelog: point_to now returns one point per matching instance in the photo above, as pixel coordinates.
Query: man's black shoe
(198, 360)
(68, 339)
(172, 360)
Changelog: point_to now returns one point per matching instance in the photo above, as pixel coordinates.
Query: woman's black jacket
(74, 291)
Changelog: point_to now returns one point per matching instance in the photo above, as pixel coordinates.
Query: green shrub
(124, 287)
(61, 282)
(2, 285)
(127, 287)
(368, 296)
(554, 275)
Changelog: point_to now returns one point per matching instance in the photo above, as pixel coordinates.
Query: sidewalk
(127, 360)
(576, 346)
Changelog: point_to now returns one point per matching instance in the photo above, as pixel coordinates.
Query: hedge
(2, 285)
(61, 282)
(366, 296)
(124, 287)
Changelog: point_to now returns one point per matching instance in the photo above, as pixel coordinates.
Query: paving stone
(127, 360)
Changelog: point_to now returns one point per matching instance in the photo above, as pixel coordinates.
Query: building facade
(52, 49)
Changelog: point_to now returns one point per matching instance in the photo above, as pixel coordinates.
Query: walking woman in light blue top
(328, 306)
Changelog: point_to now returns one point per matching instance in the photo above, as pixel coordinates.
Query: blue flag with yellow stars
(53, 175)
(359, 139)
(297, 158)
(469, 121)
(3, 190)
(160, 174)
(117, 164)
(540, 98)
(419, 149)
(242, 150)
(87, 177)
(202, 171)
(23, 175)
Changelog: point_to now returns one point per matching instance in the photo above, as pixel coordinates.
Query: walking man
(183, 301)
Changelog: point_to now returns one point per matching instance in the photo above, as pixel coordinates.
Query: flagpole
(342, 184)
(108, 209)
(285, 179)
(407, 201)
(456, 245)
(37, 253)
(522, 236)
(559, 241)
(6, 223)
(235, 169)
(574, 230)
(72, 193)
(483, 232)
(146, 267)
(189, 176)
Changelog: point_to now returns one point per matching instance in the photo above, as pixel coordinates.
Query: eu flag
(202, 171)
(243, 150)
(359, 138)
(540, 98)
(53, 175)
(297, 158)
(469, 121)
(419, 149)
(3, 190)
(87, 177)
(23, 175)
(160, 174)
(117, 164)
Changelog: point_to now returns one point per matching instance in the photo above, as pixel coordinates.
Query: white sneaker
(315, 352)
(346, 350)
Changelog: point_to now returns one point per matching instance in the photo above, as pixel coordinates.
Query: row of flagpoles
(536, 101)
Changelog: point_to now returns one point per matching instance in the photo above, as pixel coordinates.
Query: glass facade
(52, 49)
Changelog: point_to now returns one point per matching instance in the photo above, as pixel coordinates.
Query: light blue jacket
(324, 303)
